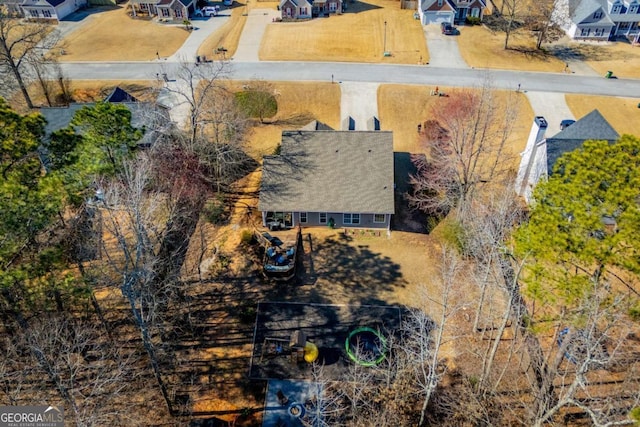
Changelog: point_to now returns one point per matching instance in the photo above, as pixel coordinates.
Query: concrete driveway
(203, 27)
(358, 102)
(551, 106)
(443, 50)
(251, 38)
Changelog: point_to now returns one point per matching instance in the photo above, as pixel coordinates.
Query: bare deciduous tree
(22, 44)
(465, 138)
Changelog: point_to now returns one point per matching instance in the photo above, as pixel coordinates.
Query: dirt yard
(482, 48)
(111, 35)
(622, 113)
(358, 35)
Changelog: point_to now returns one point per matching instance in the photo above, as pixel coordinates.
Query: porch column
(264, 219)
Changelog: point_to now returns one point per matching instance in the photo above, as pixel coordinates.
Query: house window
(439, 2)
(597, 15)
(349, 218)
(616, 8)
(333, 7)
(585, 32)
(178, 13)
(379, 218)
(288, 11)
(303, 217)
(303, 11)
(475, 12)
(323, 217)
(46, 13)
(33, 13)
(143, 6)
(165, 13)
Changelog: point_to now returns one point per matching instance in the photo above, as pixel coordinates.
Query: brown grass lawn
(229, 34)
(620, 57)
(622, 113)
(112, 35)
(395, 101)
(298, 104)
(482, 48)
(357, 35)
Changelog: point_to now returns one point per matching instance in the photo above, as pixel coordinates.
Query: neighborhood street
(372, 73)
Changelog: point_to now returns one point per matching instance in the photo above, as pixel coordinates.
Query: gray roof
(624, 17)
(142, 114)
(316, 125)
(591, 126)
(330, 171)
(579, 10)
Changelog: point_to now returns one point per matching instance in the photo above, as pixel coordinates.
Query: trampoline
(366, 346)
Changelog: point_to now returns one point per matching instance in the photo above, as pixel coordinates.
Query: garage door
(438, 17)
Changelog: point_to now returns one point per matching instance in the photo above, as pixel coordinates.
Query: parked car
(566, 123)
(207, 11)
(447, 28)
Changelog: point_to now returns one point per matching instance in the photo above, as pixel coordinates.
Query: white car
(209, 11)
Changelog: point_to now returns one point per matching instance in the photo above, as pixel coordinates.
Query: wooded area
(101, 315)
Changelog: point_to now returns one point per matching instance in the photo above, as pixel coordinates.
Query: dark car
(447, 28)
(566, 123)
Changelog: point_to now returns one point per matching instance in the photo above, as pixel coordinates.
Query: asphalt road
(373, 73)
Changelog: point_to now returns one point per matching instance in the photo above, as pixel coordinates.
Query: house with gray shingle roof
(337, 178)
(541, 154)
(599, 19)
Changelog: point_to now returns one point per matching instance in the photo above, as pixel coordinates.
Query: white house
(451, 11)
(50, 10)
(599, 19)
(540, 154)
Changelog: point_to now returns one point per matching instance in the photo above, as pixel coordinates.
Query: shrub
(472, 20)
(257, 104)
(214, 210)
(634, 312)
(246, 237)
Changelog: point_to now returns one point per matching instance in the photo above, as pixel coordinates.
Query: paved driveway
(443, 50)
(551, 106)
(202, 28)
(254, 28)
(358, 101)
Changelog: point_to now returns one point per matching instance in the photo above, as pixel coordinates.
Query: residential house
(50, 10)
(12, 7)
(599, 19)
(451, 11)
(174, 10)
(153, 117)
(305, 9)
(541, 154)
(329, 178)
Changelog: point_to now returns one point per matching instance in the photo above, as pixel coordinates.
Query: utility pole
(384, 45)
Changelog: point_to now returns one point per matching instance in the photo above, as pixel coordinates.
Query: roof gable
(591, 126)
(120, 95)
(330, 171)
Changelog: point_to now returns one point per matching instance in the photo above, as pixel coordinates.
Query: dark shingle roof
(120, 95)
(330, 171)
(316, 125)
(591, 126)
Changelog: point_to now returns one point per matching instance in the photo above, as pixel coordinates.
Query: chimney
(531, 156)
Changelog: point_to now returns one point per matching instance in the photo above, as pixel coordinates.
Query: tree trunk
(23, 88)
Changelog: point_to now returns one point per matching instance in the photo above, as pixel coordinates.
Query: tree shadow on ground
(81, 14)
(406, 218)
(359, 6)
(589, 52)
